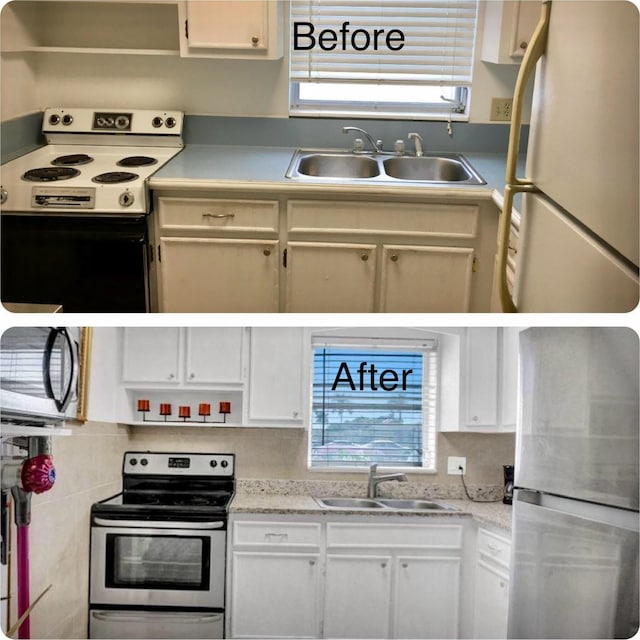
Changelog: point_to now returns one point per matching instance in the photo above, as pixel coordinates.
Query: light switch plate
(454, 464)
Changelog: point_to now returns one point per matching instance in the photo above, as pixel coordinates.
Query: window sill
(310, 112)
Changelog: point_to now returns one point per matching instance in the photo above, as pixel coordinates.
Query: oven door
(169, 564)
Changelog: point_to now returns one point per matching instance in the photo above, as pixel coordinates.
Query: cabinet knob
(192, 376)
(383, 565)
(474, 418)
(394, 257)
(364, 257)
(267, 252)
(523, 45)
(171, 376)
(255, 40)
(405, 565)
(312, 562)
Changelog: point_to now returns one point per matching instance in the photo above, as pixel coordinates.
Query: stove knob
(67, 119)
(133, 462)
(157, 122)
(122, 122)
(126, 199)
(170, 122)
(213, 463)
(54, 119)
(3, 195)
(224, 464)
(144, 462)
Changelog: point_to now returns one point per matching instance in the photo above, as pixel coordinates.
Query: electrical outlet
(454, 464)
(501, 109)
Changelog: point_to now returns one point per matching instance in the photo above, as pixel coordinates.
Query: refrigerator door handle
(514, 184)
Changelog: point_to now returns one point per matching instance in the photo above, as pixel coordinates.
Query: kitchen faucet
(375, 480)
(418, 142)
(376, 144)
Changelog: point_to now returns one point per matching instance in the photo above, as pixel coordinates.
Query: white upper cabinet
(231, 29)
(213, 355)
(151, 354)
(508, 27)
(277, 364)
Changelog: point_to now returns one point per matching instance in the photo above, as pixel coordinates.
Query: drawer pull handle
(267, 252)
(394, 257)
(218, 215)
(278, 536)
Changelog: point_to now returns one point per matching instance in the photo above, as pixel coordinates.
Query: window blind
(438, 35)
(362, 423)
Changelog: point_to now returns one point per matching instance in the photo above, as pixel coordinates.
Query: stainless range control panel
(179, 464)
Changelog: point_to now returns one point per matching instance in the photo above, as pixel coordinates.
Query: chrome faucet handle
(376, 144)
(417, 138)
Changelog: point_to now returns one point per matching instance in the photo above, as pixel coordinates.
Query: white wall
(197, 86)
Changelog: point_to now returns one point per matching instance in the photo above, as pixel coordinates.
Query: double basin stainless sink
(396, 504)
(382, 167)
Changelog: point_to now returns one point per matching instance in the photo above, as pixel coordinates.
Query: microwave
(39, 375)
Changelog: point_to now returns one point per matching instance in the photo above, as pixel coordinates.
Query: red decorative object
(184, 412)
(143, 405)
(204, 410)
(165, 409)
(225, 407)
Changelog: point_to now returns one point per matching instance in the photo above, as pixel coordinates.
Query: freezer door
(583, 143)
(578, 424)
(573, 575)
(562, 268)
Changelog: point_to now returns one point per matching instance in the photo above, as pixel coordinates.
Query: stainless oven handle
(140, 617)
(146, 524)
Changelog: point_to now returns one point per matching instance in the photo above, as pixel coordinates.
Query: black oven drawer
(88, 264)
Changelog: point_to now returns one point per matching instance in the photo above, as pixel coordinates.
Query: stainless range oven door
(170, 564)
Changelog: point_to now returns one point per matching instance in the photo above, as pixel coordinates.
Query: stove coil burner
(136, 161)
(72, 160)
(195, 501)
(50, 174)
(115, 177)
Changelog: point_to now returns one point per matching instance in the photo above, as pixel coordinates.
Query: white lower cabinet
(491, 598)
(357, 596)
(295, 577)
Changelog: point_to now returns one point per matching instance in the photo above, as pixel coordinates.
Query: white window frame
(366, 340)
(452, 94)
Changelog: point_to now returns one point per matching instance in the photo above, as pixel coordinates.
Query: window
(374, 401)
(357, 73)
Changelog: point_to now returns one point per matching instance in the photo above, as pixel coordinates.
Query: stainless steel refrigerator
(574, 571)
(578, 248)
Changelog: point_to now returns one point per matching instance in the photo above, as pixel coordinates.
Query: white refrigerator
(574, 570)
(578, 249)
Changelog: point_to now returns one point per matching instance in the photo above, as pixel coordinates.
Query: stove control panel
(63, 120)
(179, 464)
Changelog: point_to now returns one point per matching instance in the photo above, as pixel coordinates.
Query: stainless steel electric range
(74, 212)
(158, 548)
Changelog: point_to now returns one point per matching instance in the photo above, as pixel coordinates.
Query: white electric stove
(74, 211)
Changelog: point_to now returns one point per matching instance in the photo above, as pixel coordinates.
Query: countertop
(200, 166)
(495, 515)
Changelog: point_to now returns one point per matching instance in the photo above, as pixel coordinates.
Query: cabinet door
(211, 275)
(509, 377)
(426, 598)
(151, 354)
(481, 376)
(227, 24)
(325, 277)
(274, 595)
(490, 602)
(276, 374)
(214, 354)
(357, 596)
(426, 279)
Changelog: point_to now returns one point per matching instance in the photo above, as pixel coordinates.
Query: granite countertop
(203, 166)
(272, 499)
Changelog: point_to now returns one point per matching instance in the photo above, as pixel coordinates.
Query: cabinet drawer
(494, 547)
(439, 536)
(201, 214)
(277, 534)
(402, 218)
